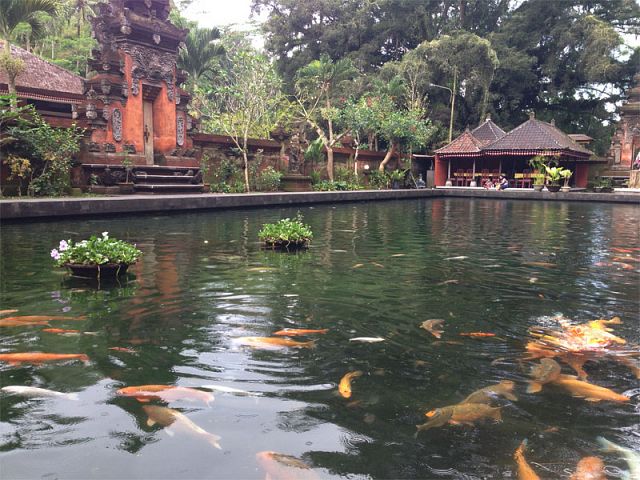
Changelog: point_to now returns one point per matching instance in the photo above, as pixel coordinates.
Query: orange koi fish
(11, 322)
(460, 414)
(40, 357)
(6, 312)
(540, 264)
(44, 318)
(278, 466)
(626, 259)
(478, 334)
(525, 472)
(433, 326)
(122, 349)
(621, 250)
(589, 468)
(345, 383)
(273, 342)
(292, 332)
(61, 331)
(166, 393)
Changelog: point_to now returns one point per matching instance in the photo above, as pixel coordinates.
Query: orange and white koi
(166, 393)
(292, 332)
(174, 420)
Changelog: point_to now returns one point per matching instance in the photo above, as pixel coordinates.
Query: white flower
(63, 245)
(55, 254)
(105, 235)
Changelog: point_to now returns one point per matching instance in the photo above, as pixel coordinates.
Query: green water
(197, 288)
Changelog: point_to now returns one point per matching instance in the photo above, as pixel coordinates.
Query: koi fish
(122, 349)
(525, 472)
(345, 383)
(431, 326)
(37, 392)
(6, 312)
(358, 265)
(461, 257)
(540, 264)
(449, 282)
(367, 339)
(589, 468)
(174, 420)
(278, 466)
(273, 342)
(231, 390)
(631, 457)
(477, 334)
(61, 331)
(486, 394)
(261, 269)
(621, 250)
(461, 414)
(166, 393)
(588, 391)
(291, 332)
(375, 264)
(399, 255)
(12, 322)
(547, 371)
(39, 318)
(39, 357)
(626, 259)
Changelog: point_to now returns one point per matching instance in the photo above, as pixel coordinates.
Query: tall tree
(201, 54)
(12, 14)
(318, 87)
(246, 100)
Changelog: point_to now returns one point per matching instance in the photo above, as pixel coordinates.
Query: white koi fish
(37, 392)
(367, 339)
(231, 390)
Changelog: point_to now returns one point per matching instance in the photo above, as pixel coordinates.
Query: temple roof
(488, 131)
(465, 144)
(537, 135)
(42, 78)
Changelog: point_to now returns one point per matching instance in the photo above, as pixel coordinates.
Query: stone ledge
(126, 204)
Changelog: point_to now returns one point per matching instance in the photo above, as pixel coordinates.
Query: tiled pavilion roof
(488, 131)
(465, 145)
(42, 80)
(538, 136)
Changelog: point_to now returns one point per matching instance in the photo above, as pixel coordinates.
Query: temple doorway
(148, 131)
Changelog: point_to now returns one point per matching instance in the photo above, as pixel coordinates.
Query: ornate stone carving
(152, 65)
(109, 148)
(156, 38)
(125, 89)
(94, 147)
(180, 132)
(105, 86)
(129, 148)
(106, 115)
(116, 124)
(91, 111)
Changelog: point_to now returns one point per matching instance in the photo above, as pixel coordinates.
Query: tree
(201, 53)
(318, 87)
(12, 14)
(246, 101)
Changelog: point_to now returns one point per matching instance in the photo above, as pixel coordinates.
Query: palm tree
(82, 7)
(13, 13)
(201, 53)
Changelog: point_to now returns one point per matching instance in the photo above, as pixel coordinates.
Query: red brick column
(440, 173)
(581, 175)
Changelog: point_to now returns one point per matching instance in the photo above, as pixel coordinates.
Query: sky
(217, 13)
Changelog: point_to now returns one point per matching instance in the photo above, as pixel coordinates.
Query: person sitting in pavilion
(503, 183)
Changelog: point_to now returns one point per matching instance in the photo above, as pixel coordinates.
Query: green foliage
(315, 177)
(555, 174)
(95, 251)
(286, 232)
(268, 180)
(341, 185)
(315, 151)
(397, 175)
(379, 180)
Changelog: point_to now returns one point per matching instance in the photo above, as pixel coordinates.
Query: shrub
(269, 180)
(286, 232)
(327, 186)
(315, 177)
(95, 251)
(378, 179)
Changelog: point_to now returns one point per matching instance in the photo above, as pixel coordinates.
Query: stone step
(167, 188)
(142, 177)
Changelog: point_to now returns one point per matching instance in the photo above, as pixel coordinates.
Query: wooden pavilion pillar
(440, 171)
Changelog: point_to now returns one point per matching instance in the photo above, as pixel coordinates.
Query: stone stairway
(165, 179)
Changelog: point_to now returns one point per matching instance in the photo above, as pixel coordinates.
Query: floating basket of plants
(286, 234)
(97, 257)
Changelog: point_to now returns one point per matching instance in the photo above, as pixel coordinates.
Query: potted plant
(96, 257)
(538, 181)
(396, 177)
(554, 176)
(286, 234)
(126, 187)
(606, 185)
(566, 174)
(538, 166)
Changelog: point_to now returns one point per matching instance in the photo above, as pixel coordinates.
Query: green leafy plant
(397, 175)
(127, 163)
(96, 250)
(328, 186)
(315, 177)
(554, 174)
(379, 180)
(269, 180)
(566, 174)
(286, 233)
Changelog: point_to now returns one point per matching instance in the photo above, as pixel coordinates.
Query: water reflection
(372, 270)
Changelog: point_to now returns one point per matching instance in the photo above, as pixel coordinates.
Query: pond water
(373, 270)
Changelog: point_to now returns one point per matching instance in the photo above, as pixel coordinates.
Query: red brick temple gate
(135, 110)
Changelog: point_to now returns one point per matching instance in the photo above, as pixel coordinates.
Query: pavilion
(488, 151)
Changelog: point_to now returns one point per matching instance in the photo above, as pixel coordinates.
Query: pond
(373, 270)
